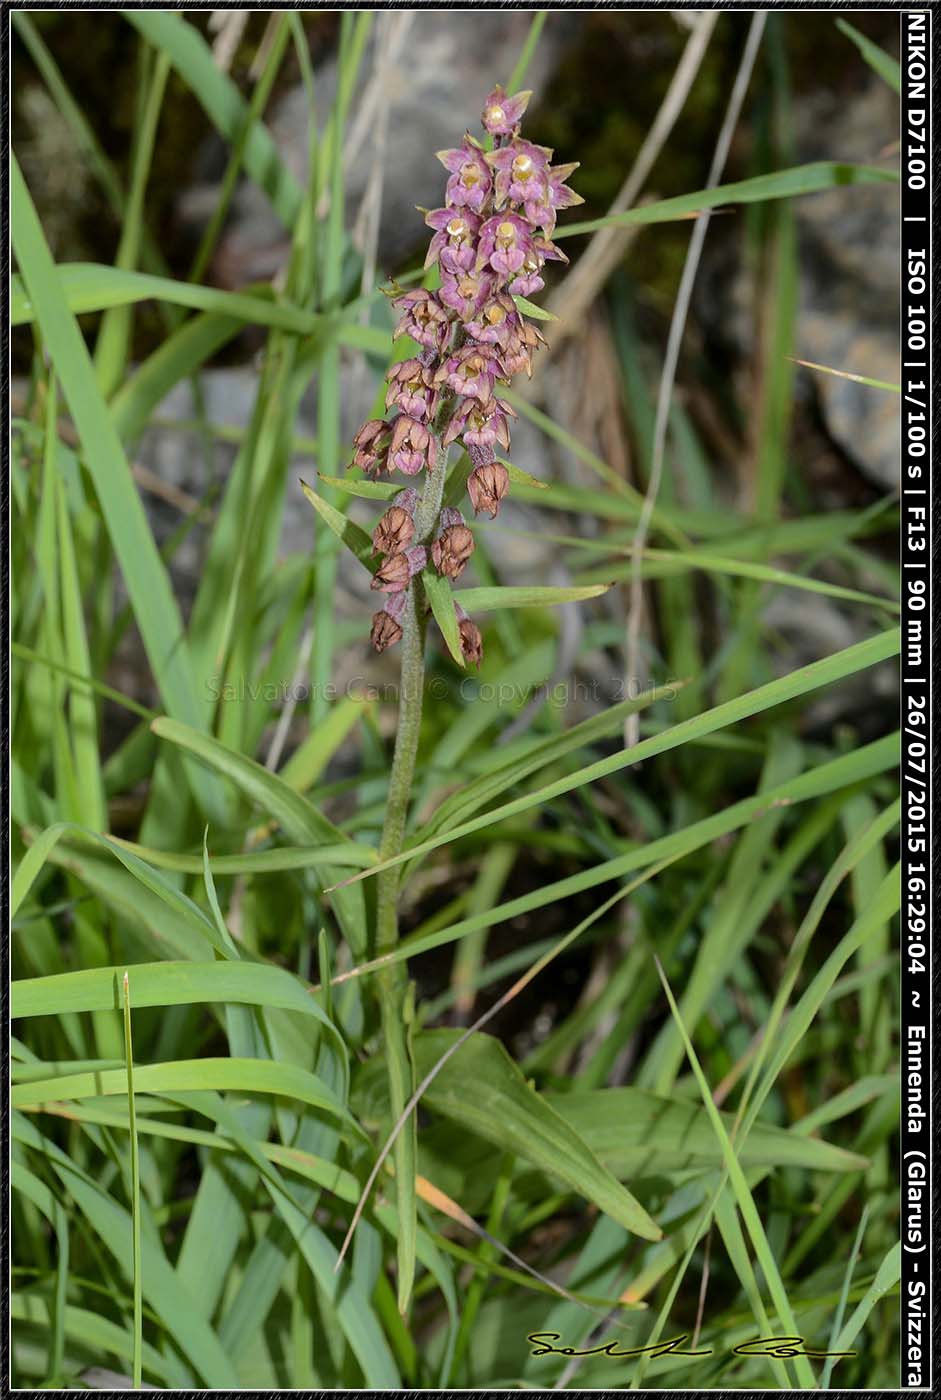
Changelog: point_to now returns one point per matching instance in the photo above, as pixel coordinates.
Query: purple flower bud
(412, 446)
(424, 318)
(407, 500)
(454, 243)
(542, 212)
(501, 113)
(471, 180)
(505, 243)
(529, 279)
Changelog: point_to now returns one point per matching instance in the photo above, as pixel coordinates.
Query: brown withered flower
(371, 446)
(453, 545)
(386, 627)
(385, 631)
(472, 644)
(395, 572)
(393, 532)
(486, 486)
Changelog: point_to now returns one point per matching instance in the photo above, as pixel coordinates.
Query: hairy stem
(393, 980)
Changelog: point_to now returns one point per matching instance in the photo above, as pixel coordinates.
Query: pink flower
(521, 172)
(541, 213)
(411, 389)
(528, 279)
(504, 244)
(518, 354)
(496, 323)
(467, 293)
(424, 318)
(501, 113)
(471, 180)
(412, 446)
(454, 242)
(471, 372)
(480, 424)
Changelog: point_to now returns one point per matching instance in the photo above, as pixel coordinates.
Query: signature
(779, 1347)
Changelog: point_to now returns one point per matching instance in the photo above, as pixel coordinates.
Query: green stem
(393, 980)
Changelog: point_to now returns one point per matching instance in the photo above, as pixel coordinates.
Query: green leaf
(181, 354)
(234, 1073)
(493, 599)
(635, 1133)
(34, 859)
(530, 308)
(887, 1276)
(300, 819)
(520, 478)
(165, 984)
(438, 592)
(777, 692)
(352, 535)
(781, 184)
(154, 605)
(744, 1199)
(98, 287)
(882, 63)
(358, 486)
(483, 1090)
(179, 1312)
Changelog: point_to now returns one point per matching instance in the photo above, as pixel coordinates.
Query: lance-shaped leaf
(481, 1088)
(439, 595)
(352, 535)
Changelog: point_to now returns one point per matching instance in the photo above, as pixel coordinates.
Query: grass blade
(154, 606)
(135, 1192)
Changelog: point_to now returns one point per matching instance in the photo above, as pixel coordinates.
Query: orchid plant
(490, 242)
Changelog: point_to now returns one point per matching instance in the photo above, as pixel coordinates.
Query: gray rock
(423, 85)
(849, 241)
(848, 254)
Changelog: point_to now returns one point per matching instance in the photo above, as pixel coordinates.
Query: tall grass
(681, 1130)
